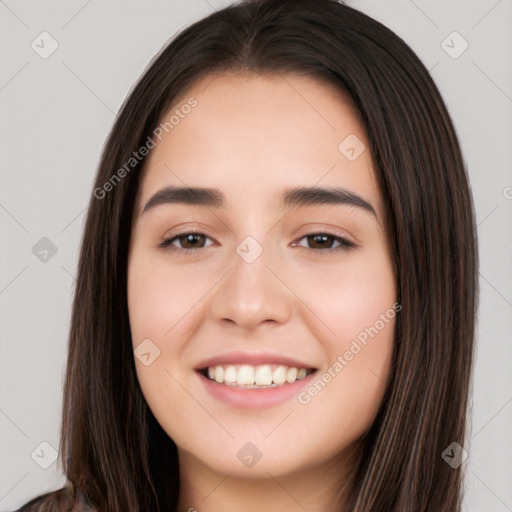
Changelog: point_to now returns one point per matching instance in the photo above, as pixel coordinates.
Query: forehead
(254, 135)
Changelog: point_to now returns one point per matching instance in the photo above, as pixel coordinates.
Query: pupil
(321, 238)
(191, 238)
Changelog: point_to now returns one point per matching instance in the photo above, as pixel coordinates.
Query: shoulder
(60, 500)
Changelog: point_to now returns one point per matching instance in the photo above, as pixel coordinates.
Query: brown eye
(322, 241)
(191, 240)
(188, 241)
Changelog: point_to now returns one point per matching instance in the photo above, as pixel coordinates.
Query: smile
(255, 377)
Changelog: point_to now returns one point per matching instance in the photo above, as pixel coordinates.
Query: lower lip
(253, 398)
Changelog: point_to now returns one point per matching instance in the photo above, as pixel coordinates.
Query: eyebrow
(214, 198)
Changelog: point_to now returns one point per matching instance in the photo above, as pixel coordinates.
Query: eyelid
(314, 228)
(344, 242)
(167, 241)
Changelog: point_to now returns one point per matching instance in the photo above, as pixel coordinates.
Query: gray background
(55, 115)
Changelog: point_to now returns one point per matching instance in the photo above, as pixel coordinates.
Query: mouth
(246, 376)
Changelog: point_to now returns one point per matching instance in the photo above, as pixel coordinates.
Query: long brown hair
(112, 448)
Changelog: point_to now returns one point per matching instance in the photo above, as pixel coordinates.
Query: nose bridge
(251, 294)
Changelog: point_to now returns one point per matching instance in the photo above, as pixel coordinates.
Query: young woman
(277, 284)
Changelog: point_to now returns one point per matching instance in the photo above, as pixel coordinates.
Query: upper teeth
(262, 375)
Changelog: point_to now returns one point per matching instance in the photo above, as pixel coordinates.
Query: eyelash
(345, 245)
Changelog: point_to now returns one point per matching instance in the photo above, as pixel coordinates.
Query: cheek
(164, 302)
(351, 296)
(344, 398)
(357, 307)
(159, 296)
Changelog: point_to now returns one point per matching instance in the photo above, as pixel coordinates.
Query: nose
(252, 294)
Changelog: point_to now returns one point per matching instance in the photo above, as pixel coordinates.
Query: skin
(251, 136)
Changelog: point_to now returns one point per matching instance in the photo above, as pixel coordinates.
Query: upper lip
(252, 359)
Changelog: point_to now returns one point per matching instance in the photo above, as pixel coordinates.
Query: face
(253, 284)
